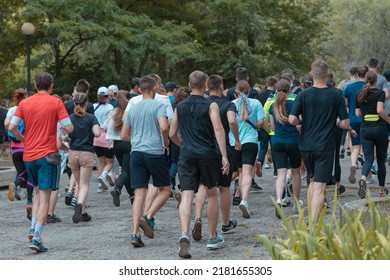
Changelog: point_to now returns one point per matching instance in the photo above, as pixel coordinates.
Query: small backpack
(21, 130)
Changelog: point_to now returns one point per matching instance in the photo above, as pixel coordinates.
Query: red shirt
(40, 113)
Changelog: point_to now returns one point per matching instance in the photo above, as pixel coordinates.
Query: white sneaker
(295, 208)
(286, 201)
(266, 165)
(100, 189)
(245, 209)
(102, 180)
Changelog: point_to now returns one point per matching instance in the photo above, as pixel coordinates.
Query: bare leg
(200, 199)
(151, 194)
(213, 211)
(280, 183)
(85, 175)
(225, 204)
(185, 210)
(246, 182)
(296, 182)
(138, 203)
(159, 201)
(53, 202)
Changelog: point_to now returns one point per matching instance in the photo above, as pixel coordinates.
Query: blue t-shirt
(284, 133)
(350, 93)
(246, 132)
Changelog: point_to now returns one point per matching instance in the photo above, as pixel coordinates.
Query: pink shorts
(81, 158)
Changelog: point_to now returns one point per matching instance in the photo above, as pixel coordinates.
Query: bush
(347, 236)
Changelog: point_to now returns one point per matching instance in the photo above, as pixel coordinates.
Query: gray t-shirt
(145, 129)
(381, 82)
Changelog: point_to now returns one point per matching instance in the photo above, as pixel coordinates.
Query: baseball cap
(114, 88)
(170, 86)
(103, 90)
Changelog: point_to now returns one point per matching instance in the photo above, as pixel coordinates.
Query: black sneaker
(256, 186)
(232, 225)
(360, 159)
(77, 213)
(236, 200)
(115, 193)
(68, 198)
(85, 217)
(52, 219)
(362, 188)
(342, 152)
(348, 152)
(341, 190)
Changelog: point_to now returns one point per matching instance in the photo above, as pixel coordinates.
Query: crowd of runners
(160, 141)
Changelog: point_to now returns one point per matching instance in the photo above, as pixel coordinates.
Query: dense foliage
(110, 41)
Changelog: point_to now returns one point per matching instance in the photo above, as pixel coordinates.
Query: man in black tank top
(227, 112)
(198, 120)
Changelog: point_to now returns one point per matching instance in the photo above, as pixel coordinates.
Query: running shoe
(245, 209)
(236, 200)
(11, 191)
(352, 173)
(266, 165)
(52, 219)
(110, 179)
(147, 226)
(348, 152)
(360, 159)
(136, 241)
(278, 208)
(37, 246)
(255, 186)
(73, 202)
(184, 246)
(373, 170)
(295, 207)
(259, 173)
(18, 193)
(31, 234)
(29, 211)
(100, 189)
(342, 152)
(232, 225)
(286, 201)
(340, 190)
(197, 230)
(77, 213)
(85, 217)
(102, 180)
(68, 198)
(326, 203)
(216, 243)
(115, 193)
(362, 188)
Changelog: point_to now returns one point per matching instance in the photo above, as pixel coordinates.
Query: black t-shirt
(230, 93)
(69, 106)
(264, 95)
(319, 108)
(196, 129)
(374, 96)
(81, 139)
(224, 107)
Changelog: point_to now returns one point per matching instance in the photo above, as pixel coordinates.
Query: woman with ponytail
(373, 132)
(81, 156)
(250, 117)
(284, 143)
(122, 149)
(17, 150)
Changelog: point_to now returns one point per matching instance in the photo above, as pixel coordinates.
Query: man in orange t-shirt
(41, 113)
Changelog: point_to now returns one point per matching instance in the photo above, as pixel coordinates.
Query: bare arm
(380, 108)
(358, 113)
(219, 135)
(126, 133)
(293, 120)
(387, 93)
(96, 130)
(231, 116)
(6, 122)
(164, 129)
(272, 122)
(174, 128)
(67, 128)
(14, 129)
(260, 124)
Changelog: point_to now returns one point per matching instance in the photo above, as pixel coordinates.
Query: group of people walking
(208, 135)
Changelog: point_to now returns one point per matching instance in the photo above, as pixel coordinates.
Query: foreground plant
(347, 236)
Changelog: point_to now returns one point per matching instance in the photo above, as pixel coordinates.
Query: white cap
(114, 88)
(103, 90)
